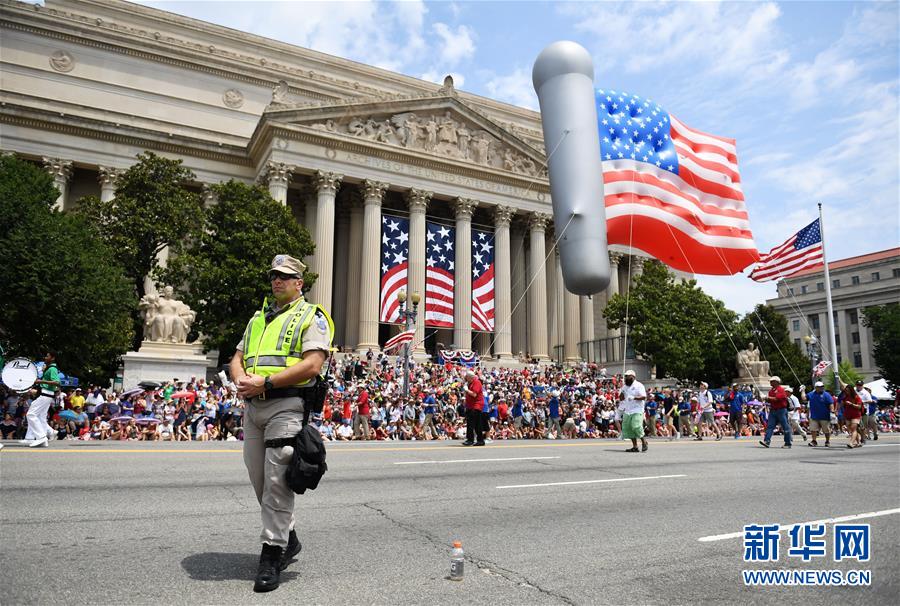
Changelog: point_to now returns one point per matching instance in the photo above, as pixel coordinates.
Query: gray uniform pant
(269, 420)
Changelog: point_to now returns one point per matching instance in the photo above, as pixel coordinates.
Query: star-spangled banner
(482, 280)
(440, 274)
(394, 265)
(671, 191)
(800, 252)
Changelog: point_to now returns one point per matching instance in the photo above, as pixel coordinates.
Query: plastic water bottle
(457, 560)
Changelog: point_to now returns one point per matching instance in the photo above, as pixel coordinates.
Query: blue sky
(808, 89)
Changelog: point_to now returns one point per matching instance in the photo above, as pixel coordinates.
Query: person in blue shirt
(429, 407)
(684, 417)
(652, 408)
(736, 399)
(553, 423)
(821, 405)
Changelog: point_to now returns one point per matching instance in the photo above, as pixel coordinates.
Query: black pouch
(308, 461)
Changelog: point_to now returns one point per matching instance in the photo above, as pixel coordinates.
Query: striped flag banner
(439, 274)
(820, 368)
(482, 280)
(671, 191)
(394, 265)
(800, 252)
(397, 340)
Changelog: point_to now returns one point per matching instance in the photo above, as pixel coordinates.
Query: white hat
(630, 373)
(819, 384)
(776, 379)
(789, 389)
(704, 383)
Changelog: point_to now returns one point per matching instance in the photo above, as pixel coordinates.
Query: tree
(768, 329)
(63, 288)
(884, 321)
(684, 332)
(221, 273)
(846, 372)
(151, 210)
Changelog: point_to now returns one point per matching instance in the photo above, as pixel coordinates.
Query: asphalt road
(552, 522)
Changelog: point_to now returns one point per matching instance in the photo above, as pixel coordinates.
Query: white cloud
(454, 46)
(515, 88)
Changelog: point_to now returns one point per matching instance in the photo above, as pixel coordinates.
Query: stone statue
(431, 130)
(463, 136)
(447, 132)
(166, 319)
(356, 127)
(751, 366)
(481, 150)
(385, 132)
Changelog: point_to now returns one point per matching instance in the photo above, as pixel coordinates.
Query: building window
(837, 340)
(796, 325)
(854, 336)
(854, 317)
(857, 359)
(840, 358)
(814, 322)
(820, 286)
(796, 342)
(803, 289)
(854, 280)
(896, 272)
(876, 276)
(835, 284)
(835, 316)
(791, 291)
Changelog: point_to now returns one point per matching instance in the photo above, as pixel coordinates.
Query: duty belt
(280, 392)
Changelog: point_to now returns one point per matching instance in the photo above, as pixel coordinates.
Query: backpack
(308, 461)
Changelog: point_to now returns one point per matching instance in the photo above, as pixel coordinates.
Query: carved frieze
(62, 61)
(233, 98)
(441, 134)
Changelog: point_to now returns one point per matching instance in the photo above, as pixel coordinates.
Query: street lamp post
(409, 320)
(811, 350)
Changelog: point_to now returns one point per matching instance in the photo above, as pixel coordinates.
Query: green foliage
(222, 271)
(884, 321)
(846, 372)
(768, 329)
(151, 210)
(677, 327)
(64, 289)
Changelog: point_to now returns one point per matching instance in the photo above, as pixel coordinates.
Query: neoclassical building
(89, 84)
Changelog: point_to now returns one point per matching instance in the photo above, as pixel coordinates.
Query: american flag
(671, 191)
(820, 367)
(439, 274)
(394, 264)
(802, 251)
(482, 280)
(397, 340)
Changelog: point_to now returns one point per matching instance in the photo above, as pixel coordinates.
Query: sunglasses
(277, 275)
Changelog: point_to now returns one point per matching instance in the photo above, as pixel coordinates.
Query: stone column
(370, 266)
(327, 185)
(354, 270)
(586, 305)
(537, 297)
(613, 289)
(418, 204)
(519, 281)
(637, 268)
(61, 171)
(309, 218)
(502, 283)
(462, 293)
(108, 177)
(554, 310)
(572, 330)
(341, 267)
(278, 176)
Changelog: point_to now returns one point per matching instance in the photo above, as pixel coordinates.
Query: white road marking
(850, 518)
(471, 461)
(681, 475)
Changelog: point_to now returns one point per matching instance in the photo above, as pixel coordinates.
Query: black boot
(292, 549)
(269, 574)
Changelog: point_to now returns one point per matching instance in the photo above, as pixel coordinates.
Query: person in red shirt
(474, 406)
(361, 431)
(853, 411)
(777, 400)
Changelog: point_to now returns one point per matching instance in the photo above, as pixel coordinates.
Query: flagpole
(833, 340)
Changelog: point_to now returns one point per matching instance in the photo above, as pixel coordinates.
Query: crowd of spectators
(367, 403)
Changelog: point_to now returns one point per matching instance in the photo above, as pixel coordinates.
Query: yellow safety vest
(271, 347)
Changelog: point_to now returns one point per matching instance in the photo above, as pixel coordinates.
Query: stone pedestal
(164, 362)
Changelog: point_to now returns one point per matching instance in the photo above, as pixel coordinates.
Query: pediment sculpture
(440, 134)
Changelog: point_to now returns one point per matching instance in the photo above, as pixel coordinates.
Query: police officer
(283, 351)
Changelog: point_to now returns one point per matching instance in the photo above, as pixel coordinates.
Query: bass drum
(19, 374)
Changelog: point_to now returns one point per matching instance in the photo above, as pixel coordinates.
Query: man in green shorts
(631, 402)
